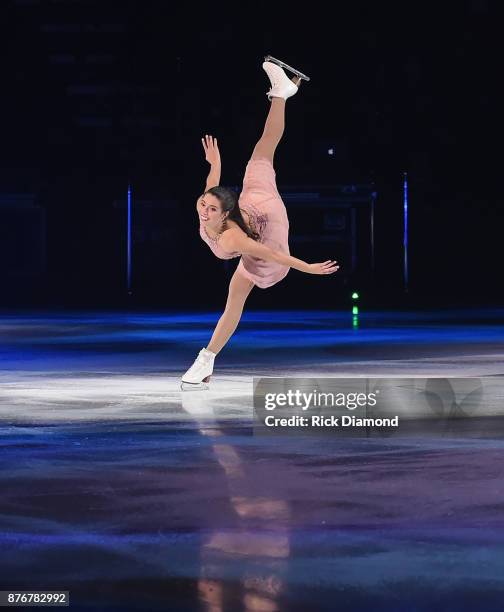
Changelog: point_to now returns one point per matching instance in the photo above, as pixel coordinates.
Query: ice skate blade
(274, 60)
(185, 386)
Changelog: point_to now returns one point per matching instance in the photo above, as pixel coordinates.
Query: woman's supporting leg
(273, 130)
(239, 289)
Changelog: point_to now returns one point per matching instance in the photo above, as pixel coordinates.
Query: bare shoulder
(233, 239)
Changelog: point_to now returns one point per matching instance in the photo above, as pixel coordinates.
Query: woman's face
(210, 211)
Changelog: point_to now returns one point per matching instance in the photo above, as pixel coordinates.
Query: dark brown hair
(229, 202)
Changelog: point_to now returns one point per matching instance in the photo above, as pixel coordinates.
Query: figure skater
(254, 226)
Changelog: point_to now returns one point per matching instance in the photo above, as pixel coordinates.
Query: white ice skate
(198, 375)
(281, 85)
(274, 60)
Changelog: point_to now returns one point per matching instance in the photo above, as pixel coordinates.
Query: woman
(254, 227)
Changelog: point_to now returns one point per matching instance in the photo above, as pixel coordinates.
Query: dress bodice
(257, 222)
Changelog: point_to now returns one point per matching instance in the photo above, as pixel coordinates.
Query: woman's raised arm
(212, 155)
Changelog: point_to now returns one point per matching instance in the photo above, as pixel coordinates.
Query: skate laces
(203, 359)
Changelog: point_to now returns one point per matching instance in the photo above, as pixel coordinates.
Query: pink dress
(263, 207)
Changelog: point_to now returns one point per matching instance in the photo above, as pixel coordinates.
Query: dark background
(97, 95)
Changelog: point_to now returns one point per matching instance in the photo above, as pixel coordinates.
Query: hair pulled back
(229, 202)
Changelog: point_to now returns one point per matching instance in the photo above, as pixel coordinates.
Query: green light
(355, 322)
(355, 295)
(355, 310)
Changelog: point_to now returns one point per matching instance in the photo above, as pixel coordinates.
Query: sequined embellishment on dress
(216, 239)
(258, 219)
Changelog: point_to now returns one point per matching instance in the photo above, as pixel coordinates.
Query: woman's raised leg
(273, 128)
(239, 289)
(273, 131)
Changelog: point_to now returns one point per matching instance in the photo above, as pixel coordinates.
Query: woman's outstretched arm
(234, 240)
(212, 156)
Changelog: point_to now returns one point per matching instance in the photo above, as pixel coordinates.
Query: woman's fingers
(326, 267)
(209, 143)
(329, 267)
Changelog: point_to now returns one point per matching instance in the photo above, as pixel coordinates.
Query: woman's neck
(214, 232)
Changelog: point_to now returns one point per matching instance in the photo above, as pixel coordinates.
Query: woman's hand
(211, 149)
(327, 267)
